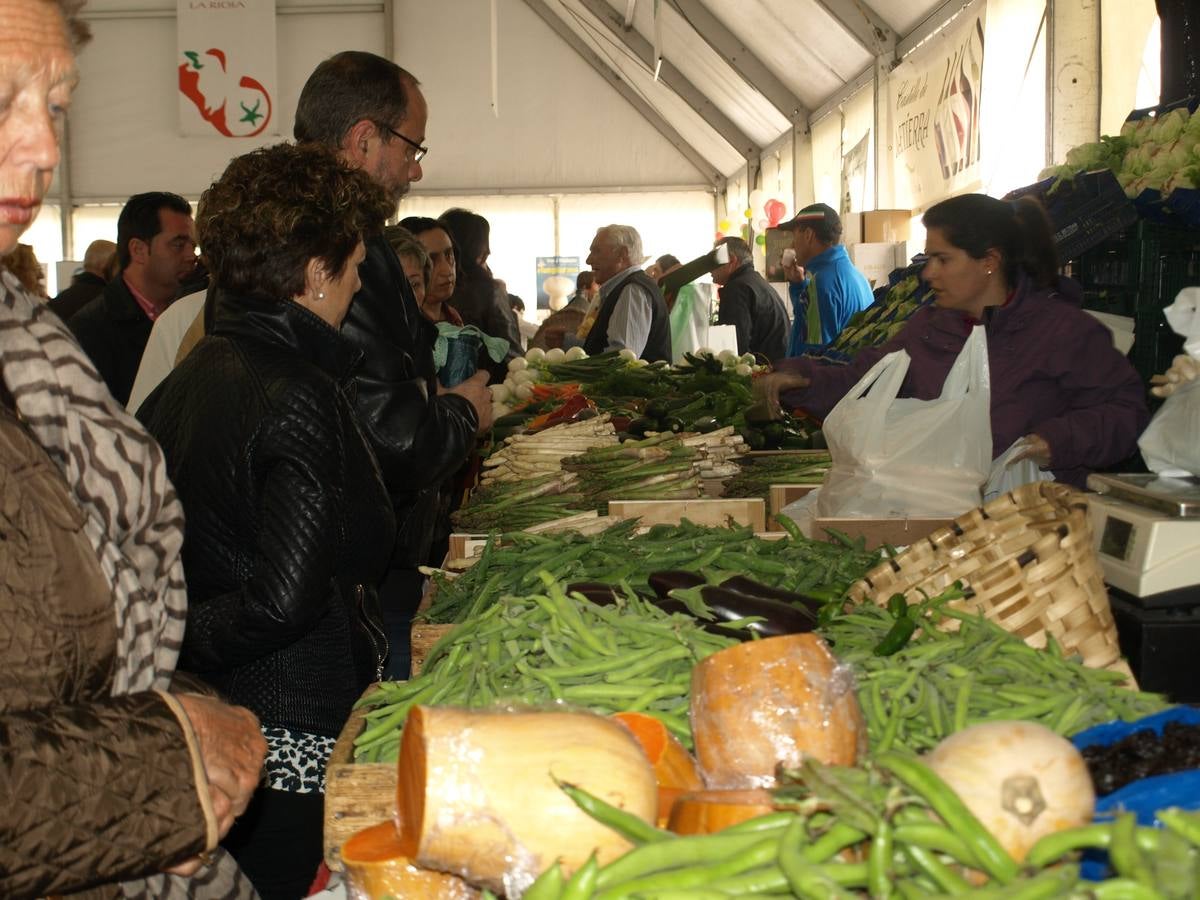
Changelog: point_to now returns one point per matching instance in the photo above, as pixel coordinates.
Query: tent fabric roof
(717, 55)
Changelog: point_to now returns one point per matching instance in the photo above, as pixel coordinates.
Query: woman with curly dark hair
(289, 527)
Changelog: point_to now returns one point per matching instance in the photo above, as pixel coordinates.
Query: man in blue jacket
(823, 272)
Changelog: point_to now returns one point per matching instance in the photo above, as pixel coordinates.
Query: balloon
(724, 225)
(775, 211)
(720, 235)
(745, 232)
(749, 213)
(761, 240)
(756, 200)
(761, 225)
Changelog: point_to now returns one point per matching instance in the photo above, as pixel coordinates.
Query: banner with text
(933, 105)
(226, 67)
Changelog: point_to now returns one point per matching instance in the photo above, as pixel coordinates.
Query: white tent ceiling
(579, 108)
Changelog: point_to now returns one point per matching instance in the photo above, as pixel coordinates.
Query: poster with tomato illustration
(226, 67)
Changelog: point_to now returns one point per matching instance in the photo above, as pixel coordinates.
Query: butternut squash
(772, 702)
(379, 864)
(703, 812)
(674, 768)
(477, 793)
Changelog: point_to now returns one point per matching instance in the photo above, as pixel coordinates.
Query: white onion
(627, 354)
(517, 363)
(523, 391)
(535, 354)
(500, 392)
(576, 353)
(555, 354)
(1020, 779)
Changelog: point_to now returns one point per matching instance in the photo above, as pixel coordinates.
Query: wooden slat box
(752, 512)
(357, 795)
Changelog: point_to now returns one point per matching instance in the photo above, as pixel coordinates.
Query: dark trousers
(277, 842)
(399, 597)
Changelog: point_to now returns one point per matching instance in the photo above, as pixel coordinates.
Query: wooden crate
(422, 638)
(897, 532)
(752, 512)
(783, 494)
(357, 795)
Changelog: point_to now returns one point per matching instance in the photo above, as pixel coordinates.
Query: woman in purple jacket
(1056, 377)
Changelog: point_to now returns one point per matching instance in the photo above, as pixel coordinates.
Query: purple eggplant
(742, 585)
(669, 605)
(664, 582)
(778, 618)
(597, 591)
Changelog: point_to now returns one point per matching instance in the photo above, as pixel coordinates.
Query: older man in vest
(632, 312)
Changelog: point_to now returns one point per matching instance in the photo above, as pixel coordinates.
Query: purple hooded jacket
(1054, 372)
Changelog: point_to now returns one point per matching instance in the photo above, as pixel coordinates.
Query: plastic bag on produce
(1009, 473)
(1171, 443)
(905, 457)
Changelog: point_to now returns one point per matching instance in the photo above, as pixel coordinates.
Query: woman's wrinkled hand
(1183, 370)
(232, 750)
(769, 389)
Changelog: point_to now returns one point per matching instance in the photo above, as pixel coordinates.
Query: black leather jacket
(419, 437)
(288, 523)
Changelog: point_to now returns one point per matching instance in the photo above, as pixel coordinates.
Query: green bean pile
(917, 840)
(545, 648)
(618, 555)
(943, 681)
(758, 473)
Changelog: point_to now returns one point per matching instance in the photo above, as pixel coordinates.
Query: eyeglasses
(418, 151)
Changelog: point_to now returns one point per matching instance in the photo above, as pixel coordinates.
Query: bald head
(97, 257)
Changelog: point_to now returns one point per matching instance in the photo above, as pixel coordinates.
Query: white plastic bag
(906, 457)
(1171, 443)
(1009, 473)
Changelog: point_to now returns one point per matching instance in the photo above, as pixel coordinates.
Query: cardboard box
(877, 532)
(885, 226)
(852, 228)
(783, 494)
(876, 261)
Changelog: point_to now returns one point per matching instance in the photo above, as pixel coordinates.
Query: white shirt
(158, 359)
(629, 325)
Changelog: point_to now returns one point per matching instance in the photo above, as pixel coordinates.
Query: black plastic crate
(1083, 211)
(1144, 267)
(1154, 343)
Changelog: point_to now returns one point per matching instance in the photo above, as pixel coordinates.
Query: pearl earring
(321, 294)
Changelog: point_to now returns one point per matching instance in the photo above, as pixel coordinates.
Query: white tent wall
(560, 125)
(1129, 60)
(580, 111)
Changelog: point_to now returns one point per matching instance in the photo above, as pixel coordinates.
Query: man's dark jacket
(113, 330)
(289, 527)
(419, 437)
(70, 300)
(750, 305)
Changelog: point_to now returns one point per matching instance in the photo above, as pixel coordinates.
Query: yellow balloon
(724, 225)
(749, 213)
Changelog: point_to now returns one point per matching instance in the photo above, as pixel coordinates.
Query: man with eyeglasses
(372, 114)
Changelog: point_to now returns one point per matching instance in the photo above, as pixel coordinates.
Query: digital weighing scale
(1147, 534)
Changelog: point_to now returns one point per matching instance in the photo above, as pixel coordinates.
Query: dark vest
(658, 344)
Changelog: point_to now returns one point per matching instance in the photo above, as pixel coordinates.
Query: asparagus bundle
(656, 468)
(756, 474)
(526, 456)
(513, 505)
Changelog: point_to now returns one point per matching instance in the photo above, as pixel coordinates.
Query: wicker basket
(1029, 558)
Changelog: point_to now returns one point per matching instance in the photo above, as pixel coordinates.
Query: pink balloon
(775, 211)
